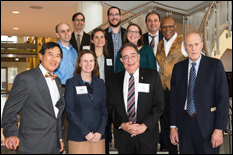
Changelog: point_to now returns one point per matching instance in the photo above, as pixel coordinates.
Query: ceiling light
(35, 7)
(15, 28)
(16, 59)
(15, 11)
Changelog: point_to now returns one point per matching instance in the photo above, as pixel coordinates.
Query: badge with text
(86, 47)
(143, 87)
(109, 62)
(81, 89)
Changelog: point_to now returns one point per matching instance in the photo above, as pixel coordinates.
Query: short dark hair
(140, 41)
(76, 14)
(49, 45)
(153, 12)
(95, 71)
(115, 8)
(126, 45)
(56, 28)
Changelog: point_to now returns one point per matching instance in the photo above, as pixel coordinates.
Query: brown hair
(95, 71)
(92, 45)
(140, 41)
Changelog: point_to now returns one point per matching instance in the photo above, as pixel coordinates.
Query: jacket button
(91, 108)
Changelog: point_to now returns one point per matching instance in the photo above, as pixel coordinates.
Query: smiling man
(36, 95)
(199, 101)
(170, 50)
(135, 102)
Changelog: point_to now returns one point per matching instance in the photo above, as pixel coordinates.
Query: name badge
(143, 87)
(86, 47)
(75, 62)
(109, 62)
(81, 89)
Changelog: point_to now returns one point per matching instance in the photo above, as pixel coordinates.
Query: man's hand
(11, 142)
(174, 136)
(97, 137)
(217, 138)
(137, 129)
(125, 126)
(61, 146)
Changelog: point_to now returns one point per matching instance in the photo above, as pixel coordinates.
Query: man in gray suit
(37, 95)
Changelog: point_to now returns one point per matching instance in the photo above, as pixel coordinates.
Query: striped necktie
(131, 100)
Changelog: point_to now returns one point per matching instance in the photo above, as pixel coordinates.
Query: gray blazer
(40, 131)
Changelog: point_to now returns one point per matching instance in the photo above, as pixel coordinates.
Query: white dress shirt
(168, 44)
(53, 89)
(156, 40)
(125, 88)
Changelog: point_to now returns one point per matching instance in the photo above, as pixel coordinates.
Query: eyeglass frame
(133, 56)
(79, 20)
(112, 15)
(134, 32)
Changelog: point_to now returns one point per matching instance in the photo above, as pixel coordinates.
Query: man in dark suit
(152, 38)
(135, 102)
(79, 37)
(115, 33)
(199, 101)
(37, 95)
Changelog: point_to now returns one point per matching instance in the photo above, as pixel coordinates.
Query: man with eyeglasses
(66, 67)
(170, 51)
(135, 102)
(79, 39)
(115, 33)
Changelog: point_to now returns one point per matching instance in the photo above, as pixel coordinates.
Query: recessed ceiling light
(15, 28)
(17, 59)
(35, 7)
(15, 11)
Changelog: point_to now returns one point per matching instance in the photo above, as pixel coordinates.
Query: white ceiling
(42, 22)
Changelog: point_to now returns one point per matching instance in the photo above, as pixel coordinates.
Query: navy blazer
(85, 115)
(210, 92)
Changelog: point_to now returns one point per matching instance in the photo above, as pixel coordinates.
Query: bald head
(193, 46)
(56, 28)
(168, 27)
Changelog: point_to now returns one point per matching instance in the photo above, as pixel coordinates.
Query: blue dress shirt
(67, 64)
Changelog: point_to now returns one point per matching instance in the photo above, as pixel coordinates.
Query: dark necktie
(53, 76)
(78, 42)
(152, 43)
(190, 100)
(131, 100)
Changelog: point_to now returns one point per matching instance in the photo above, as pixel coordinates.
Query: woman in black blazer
(85, 98)
(98, 44)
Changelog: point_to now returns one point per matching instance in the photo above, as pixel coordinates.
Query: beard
(116, 25)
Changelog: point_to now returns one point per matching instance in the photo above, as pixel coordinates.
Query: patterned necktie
(78, 42)
(190, 100)
(152, 43)
(131, 100)
(53, 76)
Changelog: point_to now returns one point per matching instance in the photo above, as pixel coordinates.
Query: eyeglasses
(116, 15)
(134, 32)
(168, 27)
(79, 20)
(132, 57)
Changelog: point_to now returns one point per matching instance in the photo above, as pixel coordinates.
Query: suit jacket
(149, 107)
(146, 40)
(39, 129)
(108, 70)
(84, 114)
(210, 92)
(85, 41)
(110, 41)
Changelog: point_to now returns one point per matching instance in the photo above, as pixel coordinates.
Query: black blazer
(210, 95)
(150, 106)
(85, 41)
(110, 41)
(146, 40)
(108, 70)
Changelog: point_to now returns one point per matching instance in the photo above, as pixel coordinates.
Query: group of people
(122, 77)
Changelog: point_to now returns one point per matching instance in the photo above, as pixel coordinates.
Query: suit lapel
(121, 99)
(60, 103)
(43, 89)
(184, 79)
(73, 41)
(201, 71)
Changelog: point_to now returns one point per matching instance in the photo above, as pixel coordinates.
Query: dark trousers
(135, 147)
(191, 139)
(108, 138)
(166, 116)
(162, 134)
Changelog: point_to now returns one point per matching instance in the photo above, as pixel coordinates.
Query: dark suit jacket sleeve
(158, 104)
(73, 119)
(17, 97)
(221, 97)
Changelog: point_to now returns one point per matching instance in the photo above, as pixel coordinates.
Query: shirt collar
(81, 33)
(197, 62)
(110, 30)
(135, 74)
(43, 70)
(172, 38)
(70, 46)
(157, 34)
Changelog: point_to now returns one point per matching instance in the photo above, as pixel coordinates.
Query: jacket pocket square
(213, 109)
